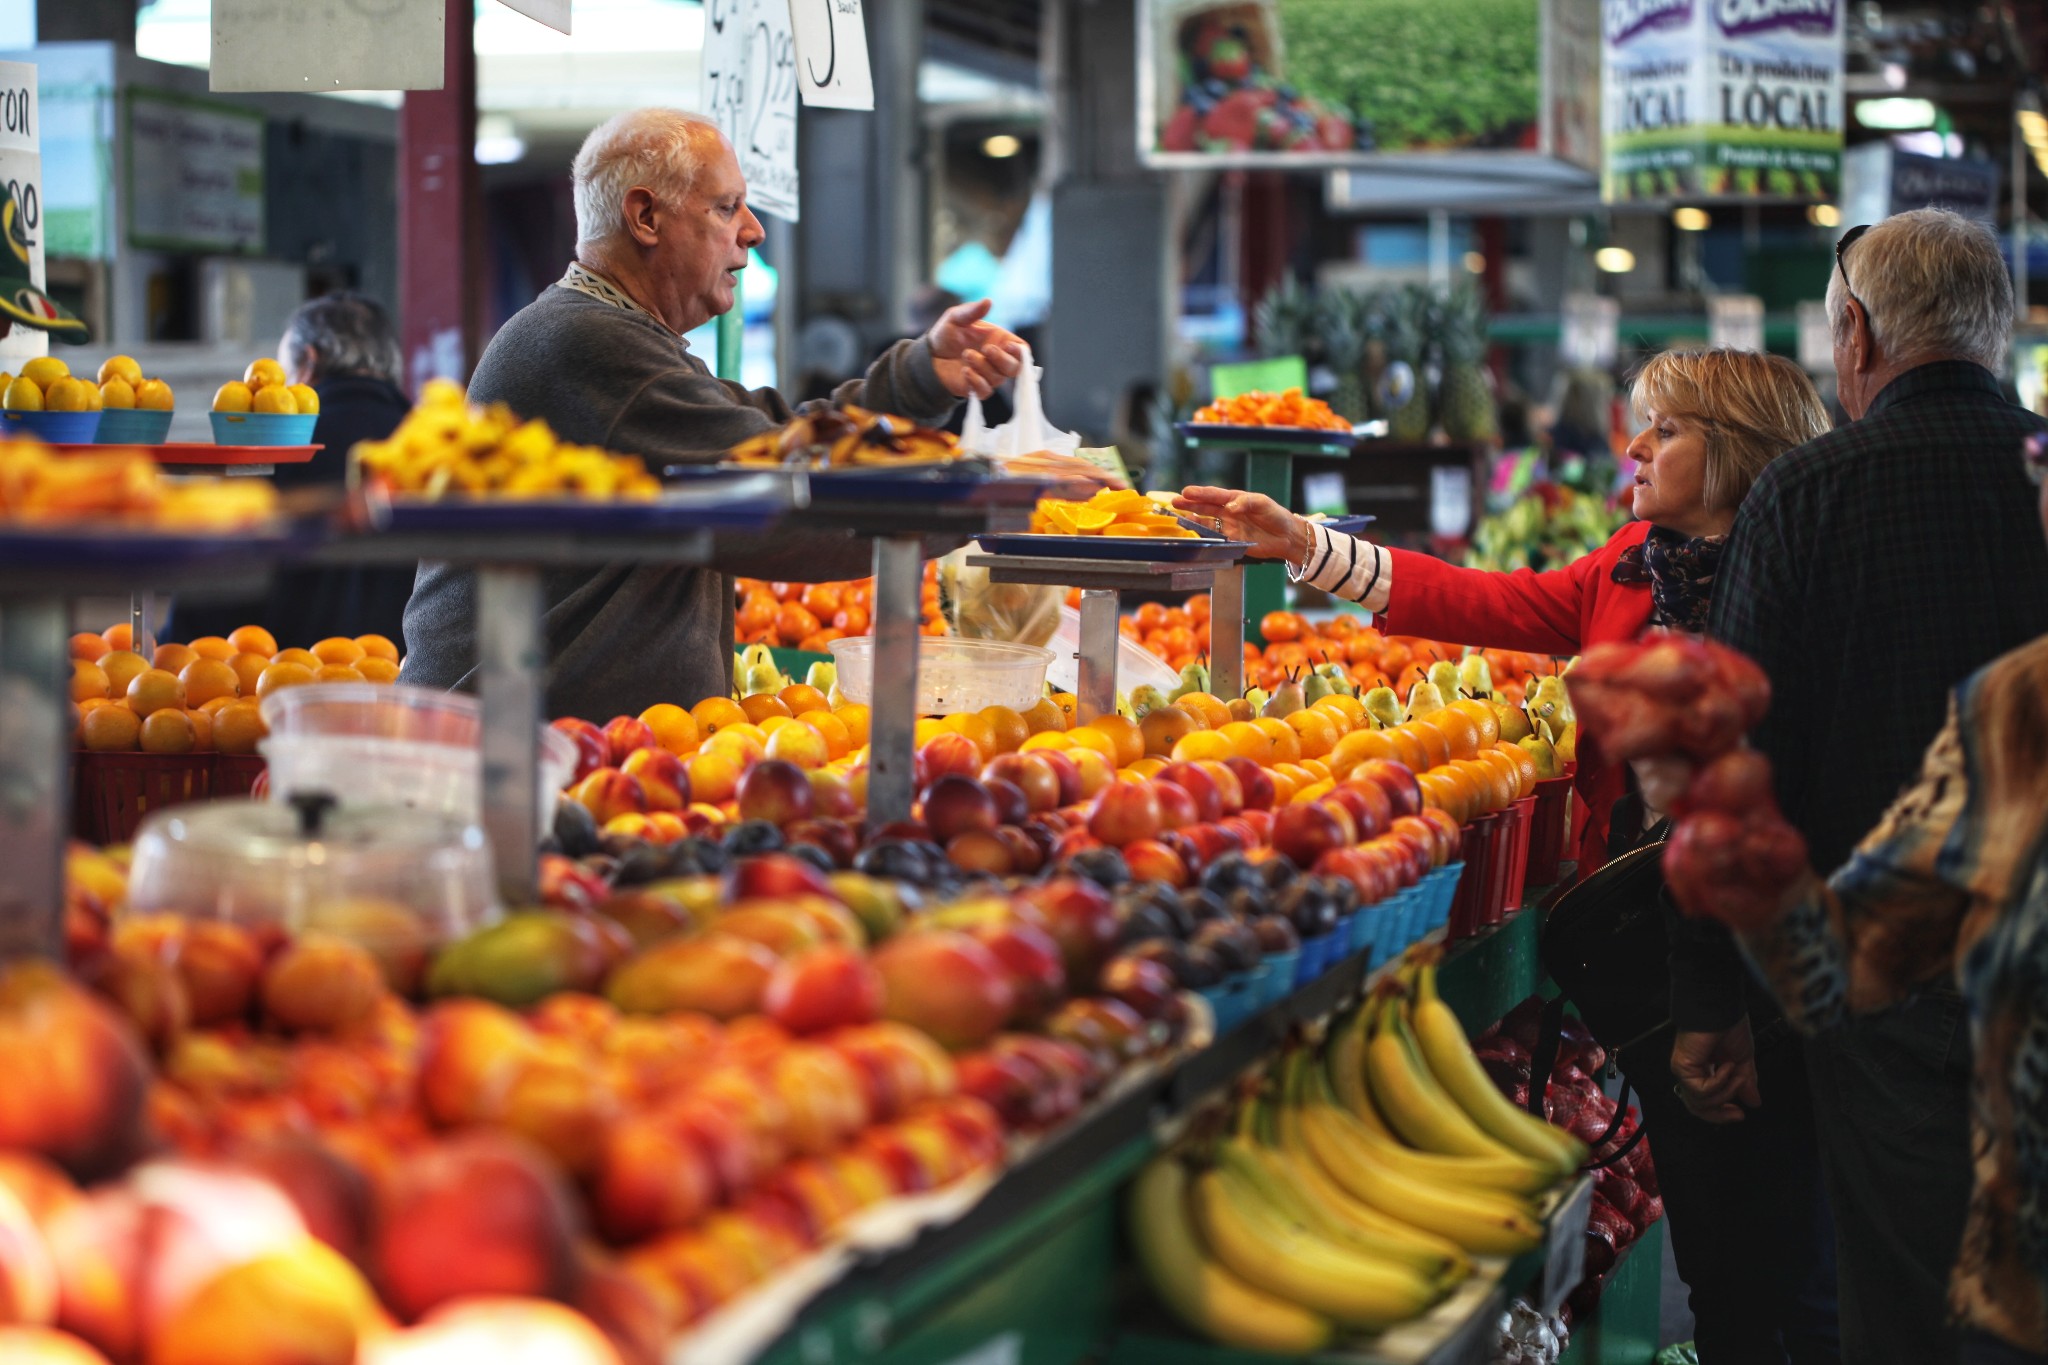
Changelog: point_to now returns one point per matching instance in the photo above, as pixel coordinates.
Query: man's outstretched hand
(974, 356)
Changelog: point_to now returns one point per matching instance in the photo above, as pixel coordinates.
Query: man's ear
(642, 212)
(1863, 355)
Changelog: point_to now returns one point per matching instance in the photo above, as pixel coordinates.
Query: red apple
(1080, 917)
(943, 754)
(624, 735)
(836, 837)
(1304, 832)
(828, 987)
(1036, 967)
(946, 984)
(1152, 861)
(1013, 1086)
(1371, 810)
(955, 805)
(1255, 782)
(592, 752)
(1126, 811)
(1143, 984)
(1212, 842)
(1031, 775)
(1200, 786)
(1404, 794)
(775, 791)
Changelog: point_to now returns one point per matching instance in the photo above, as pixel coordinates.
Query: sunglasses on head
(1848, 240)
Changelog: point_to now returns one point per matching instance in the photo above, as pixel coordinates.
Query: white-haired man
(663, 230)
(1869, 571)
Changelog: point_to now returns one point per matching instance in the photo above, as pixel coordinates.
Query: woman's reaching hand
(1271, 530)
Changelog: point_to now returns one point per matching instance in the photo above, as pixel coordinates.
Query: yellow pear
(121, 367)
(23, 395)
(45, 370)
(275, 398)
(116, 392)
(308, 401)
(233, 396)
(154, 395)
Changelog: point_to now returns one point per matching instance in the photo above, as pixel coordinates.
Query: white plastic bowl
(953, 674)
(1136, 666)
(389, 744)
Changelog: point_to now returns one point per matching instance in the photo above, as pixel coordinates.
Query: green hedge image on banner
(1426, 73)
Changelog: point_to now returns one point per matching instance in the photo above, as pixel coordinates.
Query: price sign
(21, 179)
(1736, 321)
(1590, 332)
(832, 54)
(750, 79)
(1816, 338)
(1564, 1247)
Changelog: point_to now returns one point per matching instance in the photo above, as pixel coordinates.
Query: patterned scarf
(1680, 573)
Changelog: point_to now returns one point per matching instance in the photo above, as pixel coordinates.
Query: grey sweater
(621, 638)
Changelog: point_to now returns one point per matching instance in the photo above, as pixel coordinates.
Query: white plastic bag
(1026, 432)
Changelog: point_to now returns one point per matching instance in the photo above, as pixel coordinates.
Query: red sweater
(1562, 611)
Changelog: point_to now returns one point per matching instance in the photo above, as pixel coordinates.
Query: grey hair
(660, 150)
(341, 333)
(1933, 283)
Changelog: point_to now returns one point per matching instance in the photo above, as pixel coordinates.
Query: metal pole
(1095, 678)
(1226, 632)
(892, 719)
(512, 664)
(34, 797)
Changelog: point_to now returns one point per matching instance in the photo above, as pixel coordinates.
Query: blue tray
(743, 502)
(1121, 548)
(1305, 438)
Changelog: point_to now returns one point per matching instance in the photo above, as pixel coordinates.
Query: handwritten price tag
(1564, 1247)
(832, 54)
(750, 80)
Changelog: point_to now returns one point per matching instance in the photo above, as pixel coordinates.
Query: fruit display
(202, 696)
(1546, 528)
(809, 616)
(122, 385)
(1291, 408)
(262, 388)
(1354, 1186)
(46, 384)
(821, 436)
(124, 489)
(448, 448)
(1111, 512)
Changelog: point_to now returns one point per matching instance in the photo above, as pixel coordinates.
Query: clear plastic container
(953, 674)
(387, 744)
(399, 881)
(1136, 666)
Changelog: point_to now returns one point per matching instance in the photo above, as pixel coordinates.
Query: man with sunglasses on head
(1869, 571)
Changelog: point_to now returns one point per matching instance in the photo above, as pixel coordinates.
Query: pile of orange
(810, 616)
(201, 697)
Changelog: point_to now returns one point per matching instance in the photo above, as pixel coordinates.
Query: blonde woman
(1749, 1223)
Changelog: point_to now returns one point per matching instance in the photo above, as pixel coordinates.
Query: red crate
(1519, 820)
(238, 774)
(1468, 906)
(112, 792)
(1550, 830)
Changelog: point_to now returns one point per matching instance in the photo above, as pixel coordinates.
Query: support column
(440, 216)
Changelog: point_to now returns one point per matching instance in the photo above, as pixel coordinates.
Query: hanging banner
(750, 78)
(1721, 100)
(21, 179)
(832, 54)
(310, 46)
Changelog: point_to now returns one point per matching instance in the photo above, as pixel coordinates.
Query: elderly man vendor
(662, 229)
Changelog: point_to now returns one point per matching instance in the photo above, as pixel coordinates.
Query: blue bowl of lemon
(48, 402)
(261, 409)
(134, 411)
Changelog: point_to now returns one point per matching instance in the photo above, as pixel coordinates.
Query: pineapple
(1285, 321)
(1341, 324)
(1408, 336)
(1465, 399)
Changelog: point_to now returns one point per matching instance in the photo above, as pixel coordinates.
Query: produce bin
(1468, 908)
(1514, 857)
(112, 792)
(1550, 830)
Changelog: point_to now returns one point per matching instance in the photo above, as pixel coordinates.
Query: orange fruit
(1201, 744)
(172, 658)
(838, 739)
(762, 705)
(155, 690)
(1483, 718)
(88, 681)
(377, 670)
(748, 742)
(336, 649)
(802, 697)
(1046, 739)
(1318, 767)
(715, 713)
(282, 675)
(88, 646)
(1286, 743)
(1165, 726)
(1209, 710)
(1443, 791)
(1317, 732)
(1011, 729)
(1125, 734)
(1491, 787)
(169, 731)
(774, 723)
(305, 657)
(1145, 767)
(213, 647)
(377, 647)
(248, 668)
(253, 640)
(1507, 771)
(1360, 745)
(214, 705)
(237, 726)
(110, 729)
(1045, 715)
(970, 724)
(1070, 707)
(926, 729)
(122, 667)
(1460, 734)
(854, 717)
(202, 730)
(120, 636)
(714, 775)
(1283, 788)
(1525, 767)
(1088, 737)
(674, 728)
(1435, 744)
(1248, 741)
(337, 673)
(206, 679)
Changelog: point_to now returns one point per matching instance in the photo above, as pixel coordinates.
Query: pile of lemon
(262, 388)
(1112, 512)
(46, 384)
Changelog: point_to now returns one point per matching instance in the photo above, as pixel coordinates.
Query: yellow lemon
(66, 395)
(117, 392)
(275, 398)
(308, 401)
(262, 374)
(154, 395)
(234, 396)
(23, 395)
(122, 367)
(45, 370)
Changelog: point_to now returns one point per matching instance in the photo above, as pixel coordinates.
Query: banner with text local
(1721, 99)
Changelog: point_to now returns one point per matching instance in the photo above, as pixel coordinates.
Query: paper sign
(750, 93)
(315, 45)
(1266, 376)
(1816, 338)
(832, 54)
(1736, 321)
(21, 177)
(195, 174)
(20, 115)
(1590, 330)
(553, 13)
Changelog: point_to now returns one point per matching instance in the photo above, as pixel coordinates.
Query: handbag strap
(1549, 1035)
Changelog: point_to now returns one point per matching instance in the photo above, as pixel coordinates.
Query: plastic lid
(312, 864)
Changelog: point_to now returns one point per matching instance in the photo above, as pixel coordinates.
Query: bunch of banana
(820, 436)
(446, 447)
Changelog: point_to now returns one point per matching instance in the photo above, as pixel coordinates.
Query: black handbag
(1604, 942)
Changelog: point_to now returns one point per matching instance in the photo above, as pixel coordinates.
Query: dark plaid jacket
(1869, 572)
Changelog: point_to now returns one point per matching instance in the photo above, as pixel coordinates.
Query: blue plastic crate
(1276, 976)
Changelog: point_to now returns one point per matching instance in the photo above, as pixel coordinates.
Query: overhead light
(1001, 147)
(1615, 260)
(1824, 215)
(1896, 112)
(1691, 220)
(497, 141)
(1475, 263)
(1894, 74)
(1926, 142)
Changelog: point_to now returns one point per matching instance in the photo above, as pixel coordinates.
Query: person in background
(1868, 572)
(1749, 1223)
